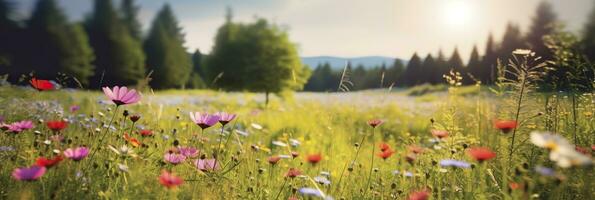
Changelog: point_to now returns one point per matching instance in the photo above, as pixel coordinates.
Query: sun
(457, 13)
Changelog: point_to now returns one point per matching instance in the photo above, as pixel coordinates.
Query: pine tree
(394, 72)
(166, 55)
(588, 42)
(455, 62)
(543, 24)
(511, 41)
(473, 68)
(8, 38)
(119, 57)
(56, 45)
(196, 80)
(427, 70)
(441, 67)
(410, 75)
(129, 14)
(487, 71)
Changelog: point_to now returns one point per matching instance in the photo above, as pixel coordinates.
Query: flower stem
(372, 163)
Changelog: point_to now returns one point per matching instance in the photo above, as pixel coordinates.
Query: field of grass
(297, 129)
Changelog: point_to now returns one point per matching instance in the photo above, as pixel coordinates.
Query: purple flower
(310, 192)
(224, 117)
(204, 120)
(6, 148)
(206, 164)
(174, 158)
(18, 127)
(28, 174)
(121, 95)
(76, 154)
(454, 163)
(74, 108)
(57, 138)
(544, 171)
(189, 152)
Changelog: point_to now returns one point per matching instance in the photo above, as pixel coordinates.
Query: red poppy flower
(57, 125)
(415, 149)
(514, 185)
(592, 147)
(145, 132)
(419, 195)
(274, 159)
(505, 125)
(384, 147)
(582, 150)
(169, 180)
(481, 153)
(294, 154)
(314, 158)
(386, 154)
(48, 163)
(133, 141)
(375, 122)
(134, 118)
(439, 133)
(293, 172)
(41, 85)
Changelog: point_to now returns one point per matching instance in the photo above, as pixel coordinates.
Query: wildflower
(311, 192)
(439, 133)
(123, 167)
(561, 151)
(41, 85)
(521, 52)
(57, 126)
(481, 153)
(322, 180)
(6, 148)
(174, 158)
(294, 154)
(384, 147)
(133, 141)
(256, 126)
(76, 154)
(314, 158)
(204, 120)
(189, 152)
(48, 163)
(419, 195)
(375, 122)
(20, 126)
(279, 143)
(28, 174)
(410, 158)
(505, 125)
(224, 117)
(121, 95)
(293, 172)
(207, 164)
(415, 149)
(145, 132)
(454, 163)
(294, 142)
(134, 118)
(169, 180)
(123, 150)
(514, 185)
(57, 138)
(74, 108)
(544, 171)
(583, 150)
(386, 154)
(274, 159)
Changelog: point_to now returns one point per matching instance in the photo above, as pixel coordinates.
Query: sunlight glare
(457, 13)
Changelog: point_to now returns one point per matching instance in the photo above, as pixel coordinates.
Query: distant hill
(339, 62)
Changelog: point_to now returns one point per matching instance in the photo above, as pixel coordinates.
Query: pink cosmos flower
(204, 120)
(189, 152)
(28, 174)
(18, 127)
(76, 154)
(206, 164)
(224, 117)
(170, 180)
(121, 95)
(174, 158)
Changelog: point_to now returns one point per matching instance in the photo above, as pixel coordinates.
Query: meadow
(449, 143)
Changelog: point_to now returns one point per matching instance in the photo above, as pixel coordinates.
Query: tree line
(544, 37)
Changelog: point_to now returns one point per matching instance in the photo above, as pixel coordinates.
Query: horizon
(463, 24)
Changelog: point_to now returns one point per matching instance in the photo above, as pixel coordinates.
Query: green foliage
(323, 78)
(129, 14)
(256, 57)
(543, 24)
(412, 71)
(166, 55)
(56, 45)
(196, 80)
(474, 68)
(119, 57)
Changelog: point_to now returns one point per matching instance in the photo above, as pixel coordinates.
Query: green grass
(329, 124)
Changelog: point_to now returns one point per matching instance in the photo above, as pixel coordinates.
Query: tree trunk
(266, 99)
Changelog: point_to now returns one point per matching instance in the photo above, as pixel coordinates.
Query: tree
(488, 68)
(257, 57)
(588, 42)
(9, 30)
(474, 68)
(543, 23)
(427, 70)
(197, 77)
(511, 41)
(56, 45)
(119, 57)
(441, 67)
(408, 78)
(394, 72)
(455, 62)
(166, 55)
(129, 17)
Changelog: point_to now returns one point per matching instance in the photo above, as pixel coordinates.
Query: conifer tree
(165, 51)
(473, 68)
(455, 62)
(427, 70)
(409, 76)
(543, 24)
(129, 16)
(488, 63)
(196, 78)
(588, 41)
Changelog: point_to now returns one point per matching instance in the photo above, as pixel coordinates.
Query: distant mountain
(339, 62)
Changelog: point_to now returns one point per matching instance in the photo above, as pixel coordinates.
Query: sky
(353, 28)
